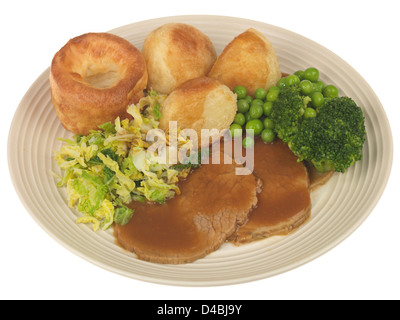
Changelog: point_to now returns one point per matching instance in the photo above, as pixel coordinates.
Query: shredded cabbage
(109, 168)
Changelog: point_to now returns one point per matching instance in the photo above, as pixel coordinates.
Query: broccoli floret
(287, 112)
(334, 139)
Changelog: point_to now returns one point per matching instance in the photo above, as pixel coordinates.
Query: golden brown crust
(248, 60)
(93, 79)
(200, 103)
(175, 53)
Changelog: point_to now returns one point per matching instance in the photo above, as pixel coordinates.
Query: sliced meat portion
(213, 202)
(284, 202)
(317, 179)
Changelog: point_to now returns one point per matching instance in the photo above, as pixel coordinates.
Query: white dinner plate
(339, 207)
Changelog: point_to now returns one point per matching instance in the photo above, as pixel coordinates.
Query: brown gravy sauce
(213, 201)
(171, 230)
(284, 202)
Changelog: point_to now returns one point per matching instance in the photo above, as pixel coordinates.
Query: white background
(364, 33)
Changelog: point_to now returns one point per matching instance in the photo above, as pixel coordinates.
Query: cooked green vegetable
(194, 160)
(256, 109)
(318, 126)
(243, 106)
(240, 91)
(260, 93)
(330, 91)
(249, 99)
(333, 140)
(248, 142)
(272, 94)
(268, 123)
(318, 86)
(255, 125)
(235, 130)
(157, 111)
(267, 107)
(107, 169)
(310, 113)
(239, 119)
(300, 74)
(292, 80)
(311, 74)
(306, 87)
(317, 99)
(268, 135)
(288, 111)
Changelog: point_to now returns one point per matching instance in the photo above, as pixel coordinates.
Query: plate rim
(367, 212)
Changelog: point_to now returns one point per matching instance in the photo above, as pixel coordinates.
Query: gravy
(213, 202)
(284, 202)
(216, 205)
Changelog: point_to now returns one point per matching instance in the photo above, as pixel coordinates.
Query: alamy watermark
(173, 148)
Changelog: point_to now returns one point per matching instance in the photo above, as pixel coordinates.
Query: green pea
(257, 108)
(235, 130)
(248, 142)
(310, 113)
(272, 95)
(281, 82)
(248, 116)
(240, 91)
(243, 106)
(267, 106)
(268, 123)
(311, 74)
(260, 93)
(258, 102)
(274, 88)
(330, 91)
(249, 99)
(300, 74)
(319, 86)
(256, 111)
(306, 87)
(292, 80)
(317, 99)
(268, 135)
(256, 125)
(239, 119)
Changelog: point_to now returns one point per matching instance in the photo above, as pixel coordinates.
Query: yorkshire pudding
(248, 60)
(175, 53)
(93, 79)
